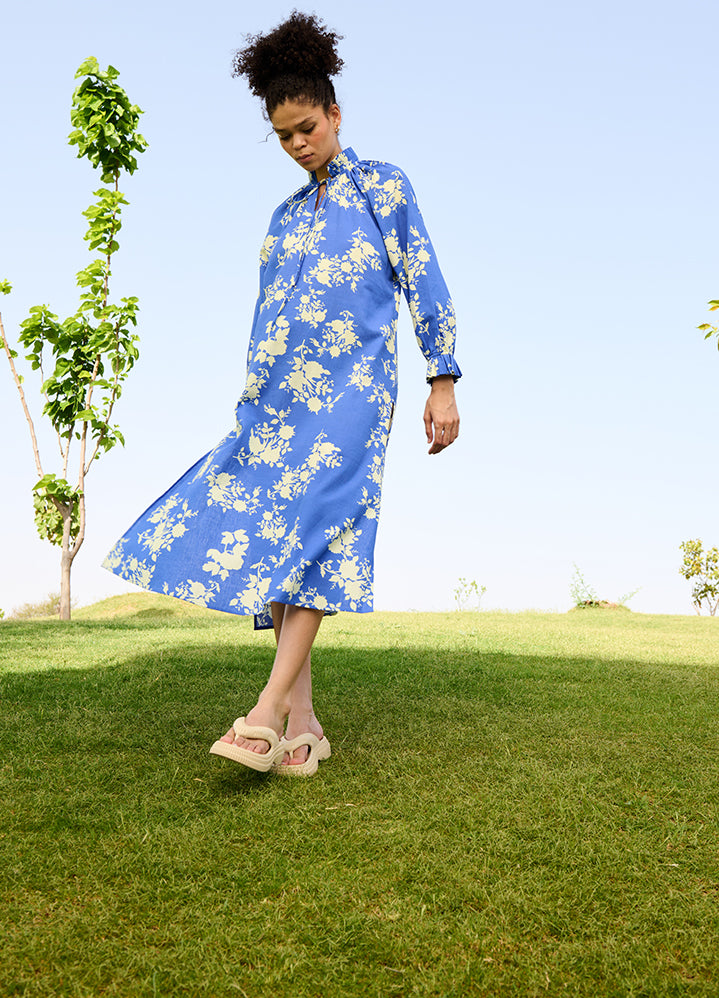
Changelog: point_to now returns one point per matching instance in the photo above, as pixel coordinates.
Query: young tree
(87, 356)
(706, 327)
(704, 568)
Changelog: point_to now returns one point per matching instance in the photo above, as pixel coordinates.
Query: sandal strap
(243, 729)
(308, 739)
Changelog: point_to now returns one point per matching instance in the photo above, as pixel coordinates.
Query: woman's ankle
(302, 719)
(269, 712)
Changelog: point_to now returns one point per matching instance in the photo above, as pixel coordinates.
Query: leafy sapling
(84, 360)
(707, 328)
(703, 568)
(466, 592)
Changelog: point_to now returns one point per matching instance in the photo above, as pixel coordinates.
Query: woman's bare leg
(301, 718)
(297, 627)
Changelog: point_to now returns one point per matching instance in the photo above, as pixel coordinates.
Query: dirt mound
(599, 604)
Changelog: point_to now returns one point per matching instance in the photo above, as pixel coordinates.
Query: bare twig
(65, 453)
(18, 385)
(47, 400)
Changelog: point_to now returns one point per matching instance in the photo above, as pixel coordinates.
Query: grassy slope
(517, 804)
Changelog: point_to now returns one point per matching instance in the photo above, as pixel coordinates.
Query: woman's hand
(441, 419)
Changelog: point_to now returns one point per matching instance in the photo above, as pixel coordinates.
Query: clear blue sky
(564, 155)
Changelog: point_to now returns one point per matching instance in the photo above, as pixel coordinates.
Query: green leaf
(5, 287)
(89, 66)
(48, 518)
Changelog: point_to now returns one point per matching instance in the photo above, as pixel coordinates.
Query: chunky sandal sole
(319, 749)
(262, 762)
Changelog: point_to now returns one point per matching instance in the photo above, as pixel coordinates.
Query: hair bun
(300, 47)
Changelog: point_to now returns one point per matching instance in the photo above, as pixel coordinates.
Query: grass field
(516, 805)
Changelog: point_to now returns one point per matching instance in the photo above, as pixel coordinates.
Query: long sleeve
(414, 262)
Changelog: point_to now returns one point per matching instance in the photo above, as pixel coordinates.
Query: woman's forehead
(293, 113)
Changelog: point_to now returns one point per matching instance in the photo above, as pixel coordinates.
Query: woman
(279, 520)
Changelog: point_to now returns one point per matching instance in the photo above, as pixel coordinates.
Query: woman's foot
(300, 722)
(263, 715)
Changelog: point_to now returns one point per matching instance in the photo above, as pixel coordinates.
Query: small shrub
(704, 568)
(579, 590)
(584, 597)
(468, 591)
(49, 607)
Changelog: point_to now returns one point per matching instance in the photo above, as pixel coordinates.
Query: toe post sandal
(260, 761)
(319, 749)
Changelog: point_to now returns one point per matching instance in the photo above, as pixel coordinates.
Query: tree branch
(65, 454)
(81, 531)
(113, 399)
(18, 385)
(47, 400)
(84, 468)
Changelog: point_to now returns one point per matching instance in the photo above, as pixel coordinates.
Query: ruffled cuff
(443, 363)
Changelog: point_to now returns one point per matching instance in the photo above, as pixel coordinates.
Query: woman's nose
(298, 140)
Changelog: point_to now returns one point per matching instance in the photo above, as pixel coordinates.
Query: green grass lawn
(516, 805)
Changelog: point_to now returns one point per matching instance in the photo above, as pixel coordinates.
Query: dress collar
(344, 160)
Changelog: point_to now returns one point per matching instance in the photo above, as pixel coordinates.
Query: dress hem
(262, 618)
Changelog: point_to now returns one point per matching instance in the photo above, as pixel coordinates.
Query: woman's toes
(252, 745)
(257, 745)
(297, 757)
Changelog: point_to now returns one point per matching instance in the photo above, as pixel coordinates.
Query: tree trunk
(65, 564)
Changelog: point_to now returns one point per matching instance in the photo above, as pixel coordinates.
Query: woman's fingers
(441, 423)
(428, 428)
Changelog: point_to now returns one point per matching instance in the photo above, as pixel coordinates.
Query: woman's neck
(323, 173)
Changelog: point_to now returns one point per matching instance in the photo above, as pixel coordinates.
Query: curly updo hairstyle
(294, 61)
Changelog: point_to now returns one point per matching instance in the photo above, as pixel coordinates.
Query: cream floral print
(286, 506)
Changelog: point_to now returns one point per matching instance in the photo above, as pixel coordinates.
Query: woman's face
(307, 133)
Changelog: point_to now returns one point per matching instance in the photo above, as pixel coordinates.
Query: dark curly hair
(294, 61)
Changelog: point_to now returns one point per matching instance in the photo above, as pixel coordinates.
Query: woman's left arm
(414, 262)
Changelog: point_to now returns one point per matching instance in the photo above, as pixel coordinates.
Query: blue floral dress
(285, 507)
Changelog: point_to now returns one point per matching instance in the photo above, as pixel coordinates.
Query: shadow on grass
(154, 613)
(141, 714)
(486, 820)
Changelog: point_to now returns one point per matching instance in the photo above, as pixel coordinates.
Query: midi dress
(286, 506)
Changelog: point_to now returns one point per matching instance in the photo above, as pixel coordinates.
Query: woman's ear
(335, 116)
